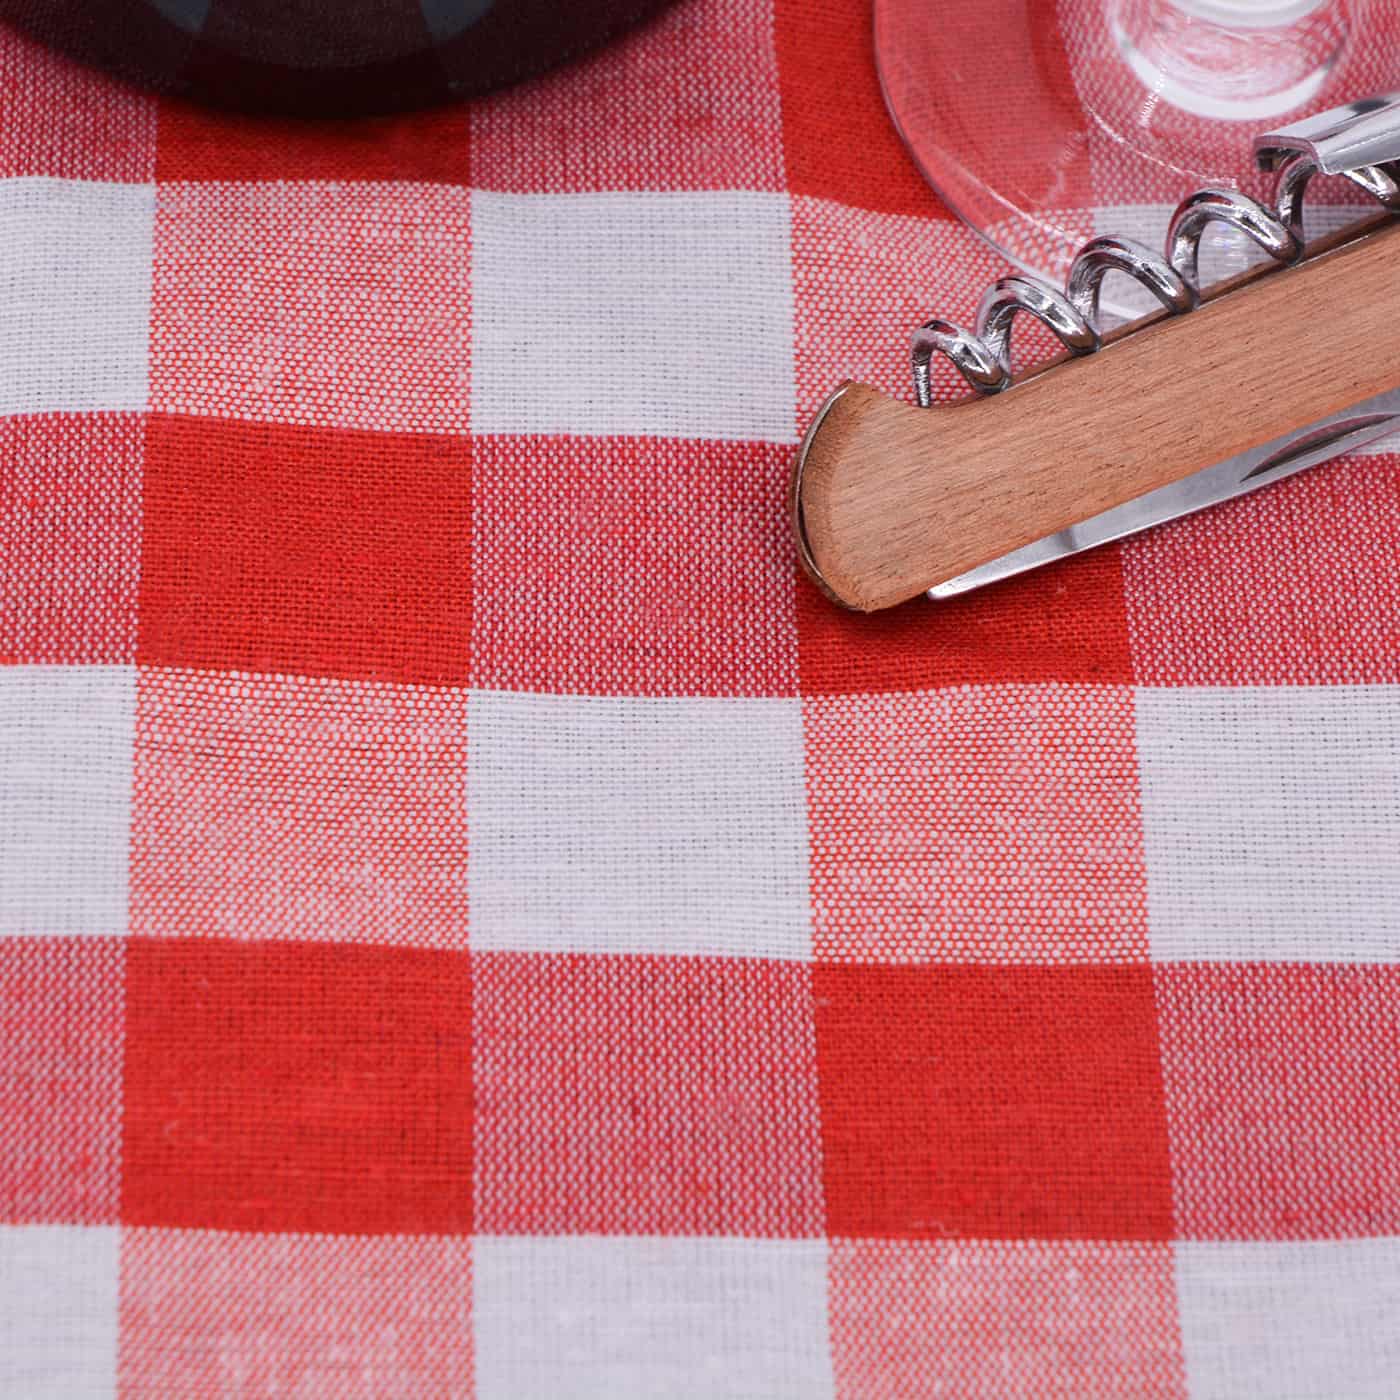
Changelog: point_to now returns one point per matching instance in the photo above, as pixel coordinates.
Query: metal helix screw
(983, 355)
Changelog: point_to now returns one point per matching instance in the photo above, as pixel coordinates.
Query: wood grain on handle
(894, 499)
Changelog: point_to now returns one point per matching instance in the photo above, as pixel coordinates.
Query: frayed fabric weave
(475, 922)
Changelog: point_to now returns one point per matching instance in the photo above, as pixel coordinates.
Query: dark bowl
(324, 57)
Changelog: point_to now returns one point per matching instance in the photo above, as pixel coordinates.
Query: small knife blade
(1347, 431)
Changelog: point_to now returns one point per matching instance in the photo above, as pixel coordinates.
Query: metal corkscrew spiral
(983, 355)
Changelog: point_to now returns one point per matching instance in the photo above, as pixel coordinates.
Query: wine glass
(1044, 122)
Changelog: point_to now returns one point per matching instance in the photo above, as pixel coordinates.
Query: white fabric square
(1295, 1318)
(58, 1311)
(645, 1316)
(65, 798)
(632, 825)
(663, 314)
(1272, 822)
(75, 294)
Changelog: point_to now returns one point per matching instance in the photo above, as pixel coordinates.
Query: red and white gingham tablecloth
(472, 921)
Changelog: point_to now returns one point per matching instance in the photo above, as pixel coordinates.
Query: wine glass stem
(1242, 60)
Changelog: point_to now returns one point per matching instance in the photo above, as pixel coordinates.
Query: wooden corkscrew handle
(891, 499)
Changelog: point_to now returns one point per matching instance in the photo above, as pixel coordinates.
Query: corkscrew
(1216, 393)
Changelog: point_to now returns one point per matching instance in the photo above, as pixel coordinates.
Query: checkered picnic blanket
(472, 921)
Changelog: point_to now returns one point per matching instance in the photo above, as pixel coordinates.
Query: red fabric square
(953, 104)
(838, 140)
(270, 548)
(70, 537)
(1003, 1102)
(60, 1080)
(344, 305)
(199, 143)
(1065, 622)
(1298, 584)
(63, 119)
(643, 1095)
(294, 1315)
(1281, 1084)
(628, 566)
(998, 824)
(206, 144)
(973, 1318)
(688, 102)
(296, 1086)
(278, 807)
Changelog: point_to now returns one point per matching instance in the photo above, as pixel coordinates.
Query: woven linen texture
(474, 922)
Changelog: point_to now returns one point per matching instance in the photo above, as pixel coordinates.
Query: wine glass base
(1276, 103)
(1042, 123)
